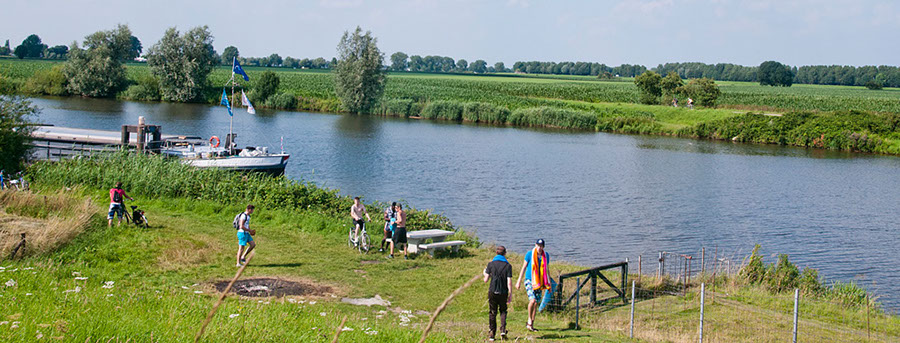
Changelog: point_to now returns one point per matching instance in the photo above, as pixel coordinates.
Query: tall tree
(704, 90)
(136, 48)
(15, 131)
(229, 54)
(399, 61)
(57, 52)
(5, 50)
(31, 47)
(499, 67)
(275, 60)
(359, 77)
(416, 63)
(773, 73)
(478, 67)
(648, 84)
(182, 63)
(462, 65)
(97, 70)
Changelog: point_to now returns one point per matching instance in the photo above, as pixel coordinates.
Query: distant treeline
(578, 68)
(888, 76)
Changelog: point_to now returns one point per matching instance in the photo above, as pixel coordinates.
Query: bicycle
(19, 182)
(136, 217)
(362, 242)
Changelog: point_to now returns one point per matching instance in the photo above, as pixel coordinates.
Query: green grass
(163, 280)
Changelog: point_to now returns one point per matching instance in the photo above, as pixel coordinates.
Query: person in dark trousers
(399, 237)
(499, 272)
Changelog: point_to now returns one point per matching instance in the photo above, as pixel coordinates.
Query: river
(596, 198)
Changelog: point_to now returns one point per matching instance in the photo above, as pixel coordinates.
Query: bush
(146, 89)
(874, 85)
(649, 85)
(284, 101)
(810, 283)
(396, 107)
(9, 86)
(704, 91)
(15, 133)
(755, 271)
(482, 112)
(443, 109)
(783, 276)
(553, 117)
(46, 82)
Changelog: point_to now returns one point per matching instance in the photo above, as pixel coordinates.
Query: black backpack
(117, 196)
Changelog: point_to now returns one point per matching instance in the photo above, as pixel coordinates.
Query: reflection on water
(595, 197)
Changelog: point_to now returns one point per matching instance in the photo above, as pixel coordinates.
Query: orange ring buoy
(214, 138)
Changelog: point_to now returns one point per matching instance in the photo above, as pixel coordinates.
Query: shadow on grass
(275, 265)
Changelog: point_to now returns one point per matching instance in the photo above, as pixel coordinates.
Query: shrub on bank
(443, 109)
(282, 101)
(553, 117)
(396, 107)
(46, 82)
(482, 112)
(146, 89)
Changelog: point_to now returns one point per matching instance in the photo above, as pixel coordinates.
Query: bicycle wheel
(364, 243)
(127, 217)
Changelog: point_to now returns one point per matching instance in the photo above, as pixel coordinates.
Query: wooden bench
(431, 247)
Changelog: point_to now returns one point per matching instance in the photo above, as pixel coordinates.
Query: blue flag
(236, 69)
(225, 103)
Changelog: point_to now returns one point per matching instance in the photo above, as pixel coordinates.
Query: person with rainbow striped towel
(537, 279)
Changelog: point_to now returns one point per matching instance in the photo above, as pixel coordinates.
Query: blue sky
(648, 32)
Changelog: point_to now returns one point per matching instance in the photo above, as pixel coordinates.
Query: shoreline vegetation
(140, 277)
(826, 117)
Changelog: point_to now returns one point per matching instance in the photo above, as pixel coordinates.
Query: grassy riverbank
(829, 117)
(163, 277)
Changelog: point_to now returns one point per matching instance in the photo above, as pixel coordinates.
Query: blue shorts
(530, 291)
(244, 238)
(115, 209)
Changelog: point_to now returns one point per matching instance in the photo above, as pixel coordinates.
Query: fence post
(660, 268)
(631, 335)
(702, 260)
(640, 265)
(702, 302)
(577, 300)
(796, 311)
(593, 288)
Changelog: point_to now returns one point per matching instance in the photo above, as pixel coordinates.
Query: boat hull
(271, 164)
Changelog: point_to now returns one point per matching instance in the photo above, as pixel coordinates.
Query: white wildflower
(323, 314)
(109, 295)
(198, 292)
(347, 329)
(4, 322)
(184, 287)
(11, 283)
(39, 335)
(109, 284)
(76, 274)
(76, 290)
(81, 278)
(233, 315)
(292, 300)
(28, 268)
(373, 332)
(312, 302)
(28, 294)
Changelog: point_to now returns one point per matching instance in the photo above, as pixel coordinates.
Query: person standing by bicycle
(117, 198)
(389, 215)
(356, 212)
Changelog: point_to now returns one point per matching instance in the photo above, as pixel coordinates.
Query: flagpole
(231, 109)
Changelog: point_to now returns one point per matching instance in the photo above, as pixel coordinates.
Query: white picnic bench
(417, 239)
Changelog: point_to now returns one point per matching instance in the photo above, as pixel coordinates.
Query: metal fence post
(660, 268)
(702, 302)
(631, 335)
(796, 311)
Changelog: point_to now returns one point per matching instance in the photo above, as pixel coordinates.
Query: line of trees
(578, 68)
(33, 47)
(887, 76)
(275, 60)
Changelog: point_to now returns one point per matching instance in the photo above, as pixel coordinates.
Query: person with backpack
(244, 234)
(117, 198)
(499, 272)
(399, 237)
(389, 217)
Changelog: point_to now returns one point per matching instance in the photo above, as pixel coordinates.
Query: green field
(587, 103)
(162, 277)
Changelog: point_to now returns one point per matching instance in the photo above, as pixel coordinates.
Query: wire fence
(677, 299)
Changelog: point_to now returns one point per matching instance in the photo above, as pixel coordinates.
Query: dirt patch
(271, 287)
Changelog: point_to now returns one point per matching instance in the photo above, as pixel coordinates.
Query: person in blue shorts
(536, 271)
(244, 235)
